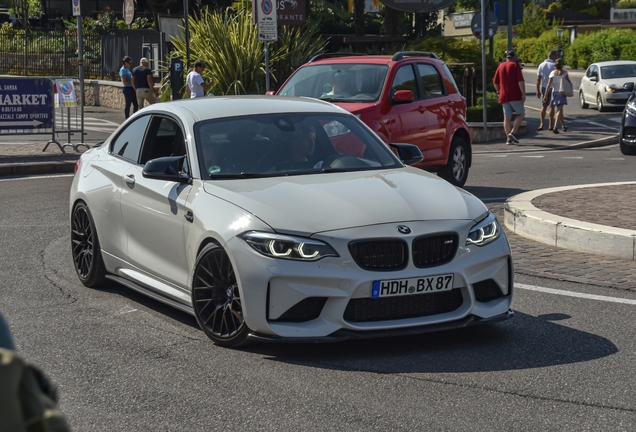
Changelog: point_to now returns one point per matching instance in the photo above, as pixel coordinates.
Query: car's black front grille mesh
(629, 132)
(434, 250)
(305, 310)
(486, 290)
(380, 254)
(411, 306)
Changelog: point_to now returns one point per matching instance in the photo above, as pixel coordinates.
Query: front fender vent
(305, 310)
(487, 290)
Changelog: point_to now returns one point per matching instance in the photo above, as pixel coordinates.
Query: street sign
(501, 10)
(26, 103)
(492, 27)
(129, 11)
(266, 20)
(76, 8)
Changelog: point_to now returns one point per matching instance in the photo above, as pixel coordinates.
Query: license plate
(402, 287)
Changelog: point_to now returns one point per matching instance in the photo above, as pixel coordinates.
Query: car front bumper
(271, 288)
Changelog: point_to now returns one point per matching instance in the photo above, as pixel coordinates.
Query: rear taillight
(77, 166)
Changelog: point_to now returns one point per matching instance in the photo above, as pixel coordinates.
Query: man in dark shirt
(142, 83)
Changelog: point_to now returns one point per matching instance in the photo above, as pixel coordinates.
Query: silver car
(604, 84)
(284, 219)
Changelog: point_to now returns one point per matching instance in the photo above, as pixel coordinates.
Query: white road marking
(532, 108)
(572, 157)
(535, 157)
(575, 294)
(495, 155)
(614, 158)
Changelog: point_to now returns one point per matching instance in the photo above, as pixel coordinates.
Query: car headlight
(484, 232)
(288, 247)
(609, 89)
(631, 108)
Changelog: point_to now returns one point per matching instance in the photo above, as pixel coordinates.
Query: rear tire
(216, 299)
(582, 102)
(87, 255)
(456, 169)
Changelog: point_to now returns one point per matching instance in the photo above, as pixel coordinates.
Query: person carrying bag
(559, 82)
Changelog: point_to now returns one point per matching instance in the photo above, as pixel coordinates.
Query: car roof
(367, 59)
(231, 106)
(615, 62)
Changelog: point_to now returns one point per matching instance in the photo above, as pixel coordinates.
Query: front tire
(582, 102)
(216, 299)
(627, 149)
(599, 103)
(456, 169)
(87, 255)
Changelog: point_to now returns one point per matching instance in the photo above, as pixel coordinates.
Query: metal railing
(36, 53)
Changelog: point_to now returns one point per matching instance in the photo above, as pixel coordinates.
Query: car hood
(618, 82)
(309, 204)
(354, 107)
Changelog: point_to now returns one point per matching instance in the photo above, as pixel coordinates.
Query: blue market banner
(26, 103)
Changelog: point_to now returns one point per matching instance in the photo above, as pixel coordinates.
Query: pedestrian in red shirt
(511, 87)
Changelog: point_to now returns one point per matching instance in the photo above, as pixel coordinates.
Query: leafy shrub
(608, 44)
(626, 4)
(494, 113)
(228, 44)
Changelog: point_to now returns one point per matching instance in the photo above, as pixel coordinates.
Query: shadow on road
(524, 342)
(494, 194)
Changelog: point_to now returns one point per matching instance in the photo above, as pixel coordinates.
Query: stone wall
(102, 93)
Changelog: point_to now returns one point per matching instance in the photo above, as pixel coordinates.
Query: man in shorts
(143, 84)
(511, 88)
(543, 74)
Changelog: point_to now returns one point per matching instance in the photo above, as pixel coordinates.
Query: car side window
(431, 81)
(128, 142)
(165, 138)
(405, 80)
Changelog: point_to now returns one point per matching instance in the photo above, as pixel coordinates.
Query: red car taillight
(77, 166)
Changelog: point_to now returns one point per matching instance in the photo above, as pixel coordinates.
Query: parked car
(205, 204)
(409, 97)
(603, 84)
(628, 123)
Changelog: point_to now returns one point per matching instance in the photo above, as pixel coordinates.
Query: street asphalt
(568, 233)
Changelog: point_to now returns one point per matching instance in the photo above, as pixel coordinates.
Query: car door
(437, 111)
(407, 122)
(125, 149)
(589, 83)
(155, 211)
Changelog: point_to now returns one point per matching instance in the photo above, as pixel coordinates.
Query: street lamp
(559, 33)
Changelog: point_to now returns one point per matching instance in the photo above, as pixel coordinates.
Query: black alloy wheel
(87, 255)
(216, 299)
(456, 169)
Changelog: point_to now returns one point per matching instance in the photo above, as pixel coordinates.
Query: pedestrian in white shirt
(543, 74)
(195, 83)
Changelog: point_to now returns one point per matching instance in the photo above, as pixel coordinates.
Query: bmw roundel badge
(404, 229)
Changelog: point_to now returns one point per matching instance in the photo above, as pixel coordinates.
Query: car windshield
(338, 82)
(288, 144)
(618, 71)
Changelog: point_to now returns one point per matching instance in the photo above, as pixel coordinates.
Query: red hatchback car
(410, 97)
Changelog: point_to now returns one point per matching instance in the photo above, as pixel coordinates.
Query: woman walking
(558, 99)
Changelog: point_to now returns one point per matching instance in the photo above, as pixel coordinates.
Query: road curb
(600, 142)
(36, 168)
(526, 220)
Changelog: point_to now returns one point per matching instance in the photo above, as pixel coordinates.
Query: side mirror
(403, 96)
(594, 78)
(166, 168)
(408, 153)
(629, 86)
(270, 92)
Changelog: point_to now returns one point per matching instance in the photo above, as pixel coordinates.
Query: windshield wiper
(329, 99)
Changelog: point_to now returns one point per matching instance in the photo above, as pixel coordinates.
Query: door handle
(129, 179)
(189, 216)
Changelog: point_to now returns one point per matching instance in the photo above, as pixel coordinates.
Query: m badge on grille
(404, 229)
